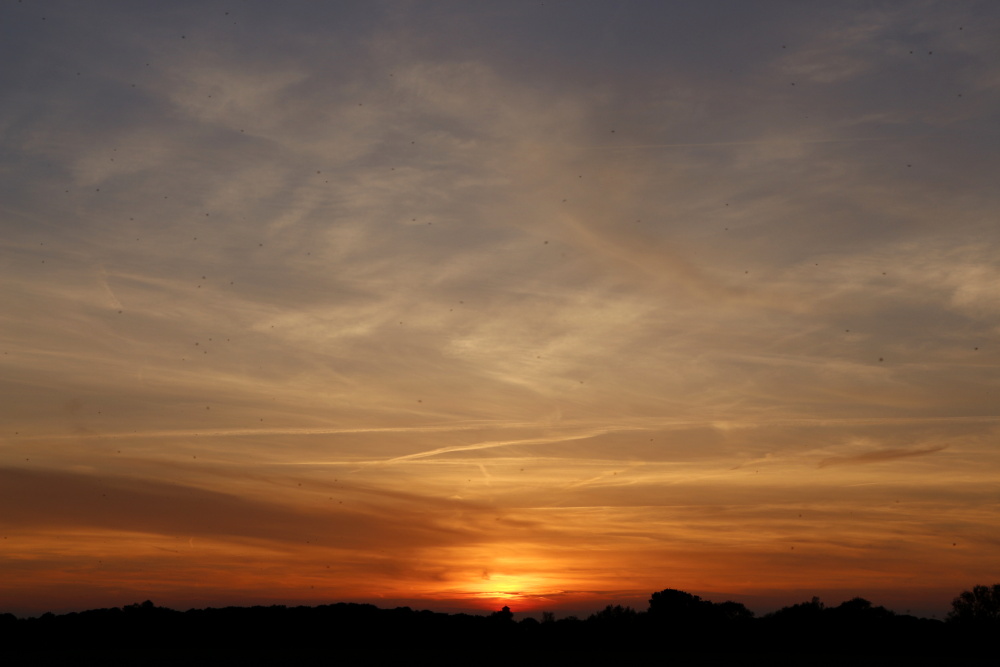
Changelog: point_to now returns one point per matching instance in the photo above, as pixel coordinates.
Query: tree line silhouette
(676, 624)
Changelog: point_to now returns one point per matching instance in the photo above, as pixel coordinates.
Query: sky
(463, 304)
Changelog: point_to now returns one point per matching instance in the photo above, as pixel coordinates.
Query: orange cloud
(879, 456)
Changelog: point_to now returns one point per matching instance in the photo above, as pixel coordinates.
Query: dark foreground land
(486, 657)
(678, 629)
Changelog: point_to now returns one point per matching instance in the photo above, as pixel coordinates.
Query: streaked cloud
(878, 456)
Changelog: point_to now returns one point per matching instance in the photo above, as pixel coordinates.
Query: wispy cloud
(879, 456)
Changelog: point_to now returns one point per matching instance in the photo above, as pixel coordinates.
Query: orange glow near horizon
(706, 553)
(522, 592)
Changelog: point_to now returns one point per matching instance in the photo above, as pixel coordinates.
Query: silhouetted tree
(859, 609)
(505, 615)
(733, 611)
(674, 605)
(136, 608)
(980, 606)
(614, 614)
(798, 614)
(680, 607)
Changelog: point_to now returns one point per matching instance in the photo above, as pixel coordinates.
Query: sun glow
(524, 592)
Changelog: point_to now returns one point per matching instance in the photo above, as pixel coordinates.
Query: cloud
(54, 500)
(879, 456)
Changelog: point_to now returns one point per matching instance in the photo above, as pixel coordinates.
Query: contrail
(238, 432)
(472, 426)
(489, 444)
(879, 456)
(758, 142)
(492, 444)
(844, 421)
(103, 276)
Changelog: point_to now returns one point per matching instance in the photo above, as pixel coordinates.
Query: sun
(521, 592)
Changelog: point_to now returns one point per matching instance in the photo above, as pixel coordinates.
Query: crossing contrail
(756, 142)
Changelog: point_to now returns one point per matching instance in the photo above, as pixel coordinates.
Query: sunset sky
(463, 304)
